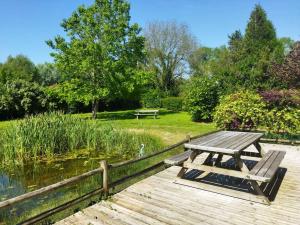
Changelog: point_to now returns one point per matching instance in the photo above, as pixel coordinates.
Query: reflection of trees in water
(10, 187)
(32, 177)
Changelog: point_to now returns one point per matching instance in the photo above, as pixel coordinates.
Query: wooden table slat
(262, 172)
(274, 166)
(207, 138)
(247, 142)
(260, 163)
(234, 139)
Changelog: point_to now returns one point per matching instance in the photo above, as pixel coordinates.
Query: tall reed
(46, 135)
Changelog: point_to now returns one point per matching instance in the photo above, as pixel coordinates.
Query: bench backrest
(147, 111)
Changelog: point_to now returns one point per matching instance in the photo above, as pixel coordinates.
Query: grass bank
(47, 135)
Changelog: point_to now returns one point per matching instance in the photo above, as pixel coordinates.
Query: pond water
(32, 176)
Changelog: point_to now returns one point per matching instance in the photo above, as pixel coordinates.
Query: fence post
(103, 165)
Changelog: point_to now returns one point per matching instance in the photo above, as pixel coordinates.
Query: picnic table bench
(232, 144)
(149, 112)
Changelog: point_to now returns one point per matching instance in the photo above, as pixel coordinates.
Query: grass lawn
(170, 127)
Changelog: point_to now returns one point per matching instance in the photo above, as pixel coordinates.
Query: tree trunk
(95, 108)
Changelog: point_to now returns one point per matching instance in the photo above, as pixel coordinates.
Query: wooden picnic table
(233, 144)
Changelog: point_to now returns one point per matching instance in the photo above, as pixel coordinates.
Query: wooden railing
(103, 191)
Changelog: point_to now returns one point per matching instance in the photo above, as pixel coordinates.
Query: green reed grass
(50, 134)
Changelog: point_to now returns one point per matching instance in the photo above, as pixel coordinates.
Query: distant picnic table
(233, 144)
(148, 112)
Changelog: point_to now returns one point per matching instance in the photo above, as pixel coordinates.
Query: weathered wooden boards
(153, 113)
(227, 142)
(159, 200)
(178, 159)
(267, 166)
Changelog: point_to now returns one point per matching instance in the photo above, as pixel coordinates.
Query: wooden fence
(102, 190)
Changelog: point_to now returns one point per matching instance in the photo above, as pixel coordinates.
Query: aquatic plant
(50, 134)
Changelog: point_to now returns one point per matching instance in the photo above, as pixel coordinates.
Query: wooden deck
(159, 199)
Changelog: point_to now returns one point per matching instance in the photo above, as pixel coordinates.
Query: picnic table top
(227, 142)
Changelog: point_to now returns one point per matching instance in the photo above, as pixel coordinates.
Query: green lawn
(170, 127)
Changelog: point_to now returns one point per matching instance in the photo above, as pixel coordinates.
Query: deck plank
(158, 199)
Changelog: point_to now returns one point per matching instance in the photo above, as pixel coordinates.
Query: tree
(260, 48)
(199, 61)
(260, 31)
(48, 74)
(20, 97)
(169, 45)
(246, 62)
(18, 68)
(235, 40)
(102, 51)
(288, 72)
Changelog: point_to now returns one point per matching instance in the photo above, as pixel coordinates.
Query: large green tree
(18, 68)
(258, 50)
(169, 45)
(102, 50)
(48, 74)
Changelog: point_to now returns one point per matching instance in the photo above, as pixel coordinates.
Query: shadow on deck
(161, 199)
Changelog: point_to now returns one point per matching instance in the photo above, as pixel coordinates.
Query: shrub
(281, 98)
(286, 120)
(243, 110)
(151, 99)
(201, 97)
(172, 103)
(19, 98)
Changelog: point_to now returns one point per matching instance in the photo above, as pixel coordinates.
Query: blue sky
(25, 25)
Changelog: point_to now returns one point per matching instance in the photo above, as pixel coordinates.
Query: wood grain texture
(227, 142)
(178, 159)
(158, 199)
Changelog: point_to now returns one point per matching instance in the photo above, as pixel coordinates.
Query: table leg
(259, 149)
(191, 158)
(206, 162)
(241, 165)
(218, 160)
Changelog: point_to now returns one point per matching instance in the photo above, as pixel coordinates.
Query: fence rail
(104, 170)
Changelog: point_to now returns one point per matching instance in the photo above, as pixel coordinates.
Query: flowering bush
(286, 120)
(243, 110)
(281, 98)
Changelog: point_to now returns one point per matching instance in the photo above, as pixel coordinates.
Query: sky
(26, 25)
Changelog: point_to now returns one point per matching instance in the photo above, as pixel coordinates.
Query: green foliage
(200, 97)
(18, 68)
(260, 31)
(246, 62)
(21, 98)
(49, 134)
(48, 74)
(288, 71)
(169, 45)
(151, 99)
(243, 110)
(286, 120)
(102, 51)
(172, 103)
(199, 61)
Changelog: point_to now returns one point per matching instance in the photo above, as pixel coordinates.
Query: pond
(32, 176)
